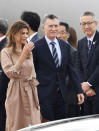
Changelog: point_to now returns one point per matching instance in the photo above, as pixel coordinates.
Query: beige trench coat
(22, 106)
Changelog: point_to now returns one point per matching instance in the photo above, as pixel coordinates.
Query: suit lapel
(91, 52)
(94, 45)
(85, 51)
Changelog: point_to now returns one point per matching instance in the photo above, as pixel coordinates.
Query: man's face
(50, 28)
(62, 34)
(88, 25)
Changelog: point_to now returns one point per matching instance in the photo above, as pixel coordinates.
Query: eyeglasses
(62, 33)
(87, 23)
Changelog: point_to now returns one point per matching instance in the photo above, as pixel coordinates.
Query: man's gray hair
(88, 13)
(49, 16)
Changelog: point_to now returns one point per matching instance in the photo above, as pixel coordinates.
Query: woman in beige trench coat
(22, 106)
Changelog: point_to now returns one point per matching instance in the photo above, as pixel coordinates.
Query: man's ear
(96, 22)
(43, 27)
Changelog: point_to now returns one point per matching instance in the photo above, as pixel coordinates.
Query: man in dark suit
(52, 62)
(65, 34)
(33, 20)
(3, 78)
(88, 62)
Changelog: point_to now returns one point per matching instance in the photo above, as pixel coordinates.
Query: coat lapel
(85, 51)
(91, 52)
(94, 45)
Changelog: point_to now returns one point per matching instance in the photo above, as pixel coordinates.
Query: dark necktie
(89, 45)
(55, 55)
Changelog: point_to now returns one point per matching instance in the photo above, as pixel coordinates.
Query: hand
(80, 98)
(29, 47)
(85, 86)
(90, 92)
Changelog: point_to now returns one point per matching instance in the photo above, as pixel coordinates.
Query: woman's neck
(19, 47)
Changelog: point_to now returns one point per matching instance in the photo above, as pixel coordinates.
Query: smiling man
(88, 62)
(52, 63)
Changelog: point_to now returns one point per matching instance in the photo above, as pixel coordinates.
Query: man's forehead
(61, 27)
(89, 17)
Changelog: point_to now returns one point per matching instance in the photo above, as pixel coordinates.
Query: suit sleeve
(72, 71)
(74, 77)
(94, 78)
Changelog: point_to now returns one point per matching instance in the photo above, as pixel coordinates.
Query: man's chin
(88, 34)
(53, 37)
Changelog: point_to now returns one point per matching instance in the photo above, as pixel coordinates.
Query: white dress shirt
(57, 47)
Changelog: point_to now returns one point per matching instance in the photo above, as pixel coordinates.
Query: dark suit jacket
(2, 44)
(72, 97)
(48, 75)
(3, 89)
(3, 78)
(35, 38)
(88, 66)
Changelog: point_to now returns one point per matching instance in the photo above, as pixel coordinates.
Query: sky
(67, 10)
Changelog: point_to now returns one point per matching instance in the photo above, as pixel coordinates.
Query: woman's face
(21, 36)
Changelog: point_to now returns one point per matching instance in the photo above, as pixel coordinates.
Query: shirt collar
(31, 36)
(1, 38)
(91, 39)
(49, 41)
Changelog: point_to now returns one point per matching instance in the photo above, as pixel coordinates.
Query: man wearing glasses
(88, 62)
(63, 31)
(65, 34)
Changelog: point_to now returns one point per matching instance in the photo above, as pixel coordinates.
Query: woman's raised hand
(28, 47)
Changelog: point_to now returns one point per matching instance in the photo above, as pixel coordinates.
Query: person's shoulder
(6, 50)
(96, 37)
(63, 43)
(97, 32)
(72, 48)
(39, 42)
(82, 40)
